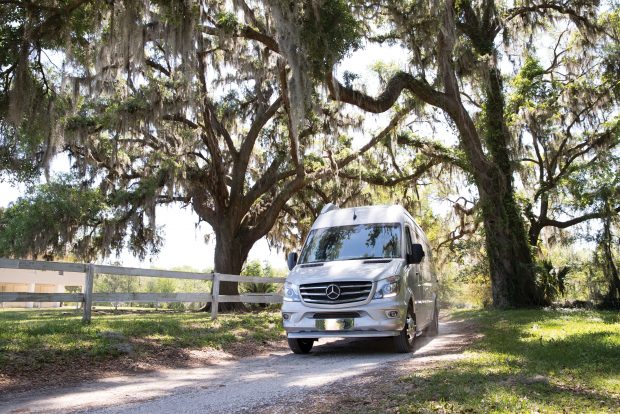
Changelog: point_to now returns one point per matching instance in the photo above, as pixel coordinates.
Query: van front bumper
(370, 319)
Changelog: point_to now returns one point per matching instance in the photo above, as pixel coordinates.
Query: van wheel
(300, 346)
(433, 328)
(405, 340)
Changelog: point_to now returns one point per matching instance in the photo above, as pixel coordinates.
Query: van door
(416, 283)
(426, 279)
(434, 287)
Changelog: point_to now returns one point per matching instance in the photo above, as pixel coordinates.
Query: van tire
(404, 342)
(433, 328)
(301, 345)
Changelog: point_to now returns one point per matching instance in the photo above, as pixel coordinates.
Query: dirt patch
(21, 375)
(367, 393)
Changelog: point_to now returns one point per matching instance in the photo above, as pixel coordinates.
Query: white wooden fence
(90, 270)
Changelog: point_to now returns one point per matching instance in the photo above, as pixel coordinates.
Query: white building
(38, 281)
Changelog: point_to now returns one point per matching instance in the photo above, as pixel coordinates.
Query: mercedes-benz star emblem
(332, 292)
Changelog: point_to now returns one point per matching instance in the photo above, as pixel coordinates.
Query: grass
(30, 339)
(528, 361)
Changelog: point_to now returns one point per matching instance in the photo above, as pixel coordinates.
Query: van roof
(363, 215)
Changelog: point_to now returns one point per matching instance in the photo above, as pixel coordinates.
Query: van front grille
(335, 292)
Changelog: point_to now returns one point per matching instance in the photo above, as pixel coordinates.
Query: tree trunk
(231, 251)
(229, 259)
(510, 261)
(511, 266)
(612, 299)
(536, 225)
(534, 233)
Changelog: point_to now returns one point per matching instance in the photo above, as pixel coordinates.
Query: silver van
(363, 272)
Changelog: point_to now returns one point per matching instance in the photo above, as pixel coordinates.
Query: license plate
(334, 324)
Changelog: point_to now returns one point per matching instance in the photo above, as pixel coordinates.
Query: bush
(256, 268)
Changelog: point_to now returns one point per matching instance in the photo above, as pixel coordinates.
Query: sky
(184, 243)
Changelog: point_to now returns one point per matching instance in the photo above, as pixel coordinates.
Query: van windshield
(361, 241)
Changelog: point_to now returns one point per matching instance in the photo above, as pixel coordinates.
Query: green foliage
(528, 87)
(143, 130)
(49, 219)
(611, 21)
(22, 147)
(68, 216)
(463, 265)
(329, 30)
(256, 268)
(161, 285)
(30, 105)
(115, 284)
(140, 284)
(551, 280)
(582, 279)
(227, 22)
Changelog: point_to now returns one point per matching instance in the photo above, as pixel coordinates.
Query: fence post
(88, 292)
(215, 291)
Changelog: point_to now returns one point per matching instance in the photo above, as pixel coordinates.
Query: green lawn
(528, 361)
(30, 339)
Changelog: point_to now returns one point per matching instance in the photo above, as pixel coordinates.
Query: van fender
(410, 298)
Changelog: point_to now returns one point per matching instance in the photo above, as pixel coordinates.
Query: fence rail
(89, 297)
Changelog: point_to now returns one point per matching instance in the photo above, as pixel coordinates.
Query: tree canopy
(245, 112)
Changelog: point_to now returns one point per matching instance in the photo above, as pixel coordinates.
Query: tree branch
(248, 145)
(384, 181)
(354, 155)
(157, 66)
(180, 119)
(546, 222)
(399, 82)
(549, 6)
(246, 32)
(265, 221)
(434, 150)
(294, 140)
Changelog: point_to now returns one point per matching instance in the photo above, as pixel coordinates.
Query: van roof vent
(329, 207)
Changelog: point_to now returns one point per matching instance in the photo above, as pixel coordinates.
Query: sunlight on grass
(49, 336)
(528, 361)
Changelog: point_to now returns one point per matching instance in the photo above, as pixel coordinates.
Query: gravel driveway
(266, 383)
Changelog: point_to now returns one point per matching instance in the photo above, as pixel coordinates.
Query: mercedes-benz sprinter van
(363, 272)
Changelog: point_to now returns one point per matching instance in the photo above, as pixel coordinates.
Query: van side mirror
(291, 260)
(417, 254)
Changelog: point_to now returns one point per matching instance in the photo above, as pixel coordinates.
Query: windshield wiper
(312, 264)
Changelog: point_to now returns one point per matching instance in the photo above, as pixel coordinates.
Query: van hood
(345, 270)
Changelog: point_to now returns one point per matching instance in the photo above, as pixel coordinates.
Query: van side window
(408, 240)
(418, 237)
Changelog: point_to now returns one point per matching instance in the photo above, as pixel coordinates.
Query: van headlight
(387, 288)
(291, 292)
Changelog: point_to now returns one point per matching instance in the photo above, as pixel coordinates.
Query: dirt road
(267, 383)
